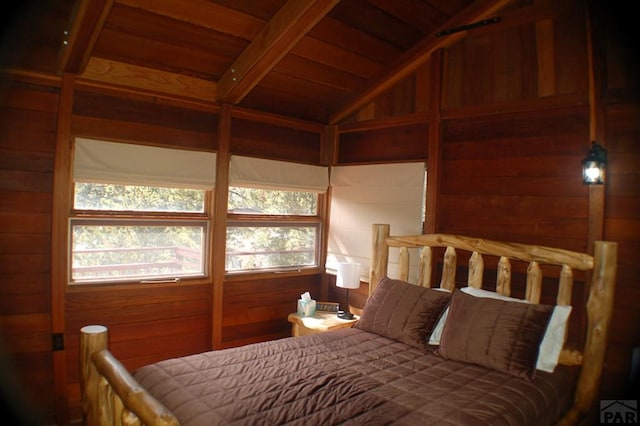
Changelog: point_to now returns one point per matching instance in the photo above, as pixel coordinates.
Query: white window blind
(129, 164)
(364, 195)
(282, 175)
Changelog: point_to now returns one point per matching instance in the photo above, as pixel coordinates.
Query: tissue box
(306, 309)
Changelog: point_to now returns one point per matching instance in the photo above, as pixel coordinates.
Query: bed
(455, 351)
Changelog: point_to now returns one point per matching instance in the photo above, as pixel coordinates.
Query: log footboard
(110, 395)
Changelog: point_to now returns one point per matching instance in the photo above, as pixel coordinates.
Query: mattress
(351, 377)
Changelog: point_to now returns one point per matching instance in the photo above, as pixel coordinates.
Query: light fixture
(348, 277)
(593, 166)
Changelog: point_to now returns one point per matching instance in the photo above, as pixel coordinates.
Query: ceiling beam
(86, 23)
(419, 54)
(147, 80)
(275, 40)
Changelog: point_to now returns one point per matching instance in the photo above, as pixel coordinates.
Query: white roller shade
(122, 163)
(283, 175)
(364, 195)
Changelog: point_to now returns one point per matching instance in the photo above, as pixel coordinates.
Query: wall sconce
(593, 166)
(348, 277)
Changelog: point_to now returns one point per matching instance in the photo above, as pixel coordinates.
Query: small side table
(319, 323)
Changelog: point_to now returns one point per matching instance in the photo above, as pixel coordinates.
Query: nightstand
(319, 323)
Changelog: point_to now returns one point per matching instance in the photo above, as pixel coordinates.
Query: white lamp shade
(348, 275)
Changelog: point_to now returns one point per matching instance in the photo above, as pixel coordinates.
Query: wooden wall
(517, 175)
(27, 146)
(256, 309)
(622, 224)
(121, 116)
(266, 140)
(617, 50)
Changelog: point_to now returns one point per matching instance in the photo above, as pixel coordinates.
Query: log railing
(110, 395)
(601, 267)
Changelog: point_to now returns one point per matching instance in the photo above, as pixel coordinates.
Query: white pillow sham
(552, 341)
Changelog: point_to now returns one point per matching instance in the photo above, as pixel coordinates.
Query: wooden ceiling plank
(86, 24)
(333, 31)
(292, 22)
(419, 54)
(295, 66)
(337, 57)
(421, 15)
(365, 16)
(203, 13)
(147, 80)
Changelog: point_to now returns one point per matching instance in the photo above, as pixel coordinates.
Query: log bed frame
(111, 396)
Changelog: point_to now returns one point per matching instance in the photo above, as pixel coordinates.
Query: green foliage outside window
(272, 202)
(113, 239)
(96, 196)
(271, 237)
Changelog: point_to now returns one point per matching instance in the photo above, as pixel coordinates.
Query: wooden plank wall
(622, 224)
(265, 140)
(27, 145)
(145, 324)
(517, 175)
(617, 50)
(405, 142)
(122, 116)
(255, 310)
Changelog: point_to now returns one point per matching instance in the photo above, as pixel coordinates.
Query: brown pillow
(494, 333)
(402, 311)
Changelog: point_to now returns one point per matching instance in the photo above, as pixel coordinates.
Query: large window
(274, 220)
(153, 228)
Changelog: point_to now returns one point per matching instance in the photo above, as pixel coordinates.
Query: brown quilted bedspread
(349, 376)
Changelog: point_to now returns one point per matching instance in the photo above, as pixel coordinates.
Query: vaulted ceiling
(317, 60)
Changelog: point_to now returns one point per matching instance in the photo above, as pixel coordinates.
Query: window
(140, 214)
(112, 238)
(362, 195)
(274, 220)
(271, 229)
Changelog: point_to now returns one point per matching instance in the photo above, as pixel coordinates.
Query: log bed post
(94, 338)
(380, 255)
(599, 311)
(110, 395)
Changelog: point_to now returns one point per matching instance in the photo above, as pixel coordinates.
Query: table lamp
(348, 277)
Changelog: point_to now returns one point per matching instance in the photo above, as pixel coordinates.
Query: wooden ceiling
(317, 60)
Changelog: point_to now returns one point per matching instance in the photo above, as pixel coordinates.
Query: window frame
(271, 220)
(141, 218)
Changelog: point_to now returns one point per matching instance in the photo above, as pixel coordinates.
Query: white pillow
(552, 341)
(436, 334)
(434, 338)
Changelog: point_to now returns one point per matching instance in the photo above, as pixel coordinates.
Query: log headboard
(600, 267)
